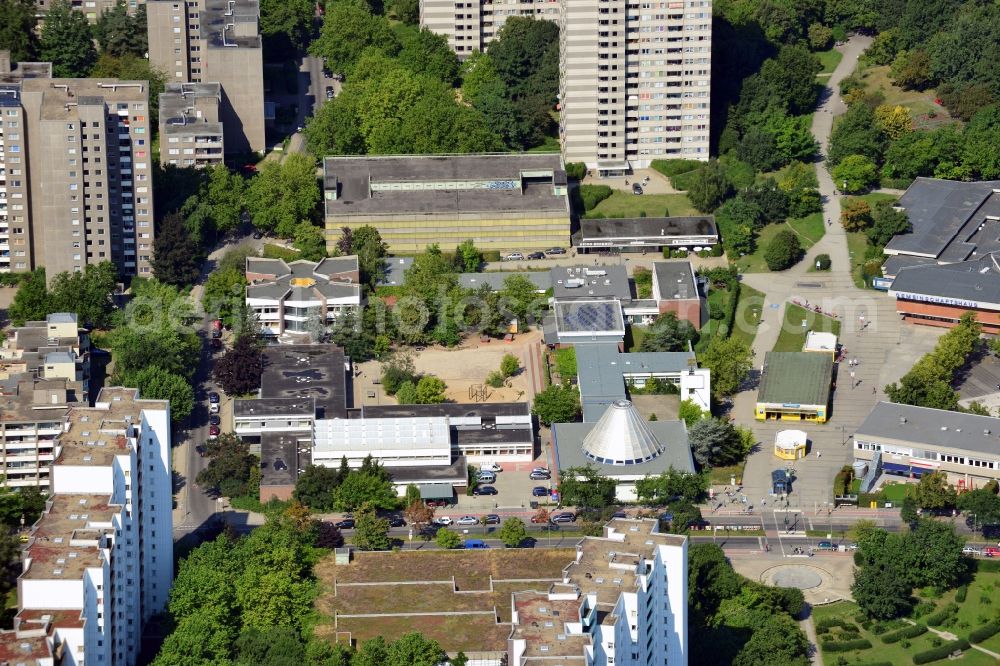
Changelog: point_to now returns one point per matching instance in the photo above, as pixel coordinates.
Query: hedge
(593, 195)
(986, 631)
(673, 167)
(942, 615)
(875, 663)
(909, 632)
(845, 646)
(961, 593)
(945, 650)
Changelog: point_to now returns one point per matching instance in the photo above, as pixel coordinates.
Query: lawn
(721, 476)
(919, 103)
(829, 59)
(633, 337)
(626, 204)
(551, 145)
(809, 230)
(744, 323)
(857, 241)
(793, 333)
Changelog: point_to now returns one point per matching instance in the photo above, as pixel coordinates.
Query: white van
(486, 477)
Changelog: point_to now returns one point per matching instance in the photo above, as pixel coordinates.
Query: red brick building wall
(933, 314)
(689, 309)
(283, 493)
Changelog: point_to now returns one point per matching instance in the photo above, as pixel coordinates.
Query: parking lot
(513, 491)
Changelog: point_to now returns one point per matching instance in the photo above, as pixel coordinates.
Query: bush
(672, 167)
(491, 255)
(961, 593)
(942, 615)
(941, 652)
(577, 170)
(823, 262)
(911, 631)
(591, 195)
(986, 631)
(783, 251)
(921, 609)
(828, 623)
(845, 646)
(495, 379)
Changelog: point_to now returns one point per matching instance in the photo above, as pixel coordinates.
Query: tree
(175, 254)
(238, 372)
(783, 251)
(32, 301)
(510, 365)
(229, 466)
(426, 52)
(155, 383)
(671, 486)
(67, 41)
(367, 244)
(525, 54)
(882, 590)
(285, 26)
(856, 133)
(934, 554)
(468, 257)
(314, 487)
(370, 531)
(520, 297)
(908, 510)
(282, 195)
(856, 215)
(397, 369)
(709, 187)
(430, 390)
(17, 29)
(223, 293)
(404, 11)
(586, 487)
(447, 539)
(778, 640)
(88, 293)
(556, 404)
(513, 532)
(934, 492)
(365, 488)
(348, 29)
(894, 121)
(668, 333)
(406, 394)
(983, 504)
(730, 360)
(820, 37)
(716, 443)
(418, 514)
(855, 173)
(886, 223)
(120, 34)
(218, 206)
(690, 412)
(309, 241)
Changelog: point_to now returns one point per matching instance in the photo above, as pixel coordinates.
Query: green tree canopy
(855, 173)
(709, 187)
(668, 333)
(586, 487)
(934, 492)
(17, 29)
(783, 251)
(315, 486)
(365, 488)
(282, 195)
(67, 41)
(447, 539)
(120, 34)
(730, 360)
(672, 485)
(715, 442)
(286, 26)
(175, 254)
(886, 223)
(31, 302)
(239, 371)
(229, 466)
(349, 28)
(426, 52)
(87, 292)
(513, 532)
(223, 293)
(370, 531)
(556, 404)
(155, 383)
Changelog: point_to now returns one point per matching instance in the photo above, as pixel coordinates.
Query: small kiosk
(790, 444)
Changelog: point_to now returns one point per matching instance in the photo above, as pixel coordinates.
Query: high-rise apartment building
(99, 562)
(636, 82)
(75, 160)
(635, 77)
(471, 26)
(190, 132)
(622, 601)
(92, 9)
(215, 41)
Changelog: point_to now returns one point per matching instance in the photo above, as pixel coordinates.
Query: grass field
(793, 333)
(977, 610)
(748, 313)
(551, 145)
(626, 204)
(829, 59)
(471, 571)
(919, 103)
(809, 230)
(857, 241)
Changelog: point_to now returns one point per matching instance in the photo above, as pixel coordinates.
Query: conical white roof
(621, 437)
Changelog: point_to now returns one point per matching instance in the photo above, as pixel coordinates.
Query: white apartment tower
(472, 25)
(622, 601)
(99, 562)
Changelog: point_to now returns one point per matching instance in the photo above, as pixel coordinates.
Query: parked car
(437, 504)
(443, 521)
(475, 544)
(257, 235)
(485, 490)
(564, 517)
(201, 449)
(970, 550)
(329, 92)
(539, 476)
(215, 344)
(213, 431)
(991, 551)
(491, 467)
(327, 74)
(619, 514)
(514, 256)
(345, 524)
(213, 408)
(543, 470)
(555, 250)
(217, 328)
(214, 419)
(396, 521)
(486, 477)
(467, 520)
(539, 491)
(825, 545)
(536, 255)
(636, 188)
(213, 397)
(492, 519)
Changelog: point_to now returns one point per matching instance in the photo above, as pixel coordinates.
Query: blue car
(539, 491)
